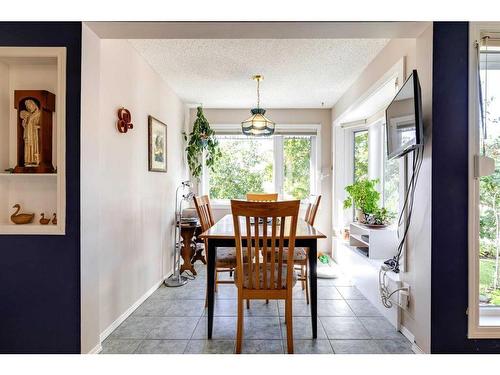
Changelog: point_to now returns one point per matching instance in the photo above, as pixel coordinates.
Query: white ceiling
(298, 73)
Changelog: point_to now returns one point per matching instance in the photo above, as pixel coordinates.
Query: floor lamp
(185, 196)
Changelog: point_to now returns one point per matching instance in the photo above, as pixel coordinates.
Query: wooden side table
(189, 253)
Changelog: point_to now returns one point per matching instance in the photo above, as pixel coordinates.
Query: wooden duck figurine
(18, 218)
(43, 220)
(54, 219)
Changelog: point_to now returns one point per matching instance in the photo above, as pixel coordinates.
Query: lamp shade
(258, 124)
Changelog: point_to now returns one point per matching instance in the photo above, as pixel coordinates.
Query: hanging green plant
(201, 140)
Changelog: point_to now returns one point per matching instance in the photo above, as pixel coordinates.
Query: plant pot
(360, 216)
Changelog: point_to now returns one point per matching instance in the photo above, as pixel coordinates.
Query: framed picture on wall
(157, 145)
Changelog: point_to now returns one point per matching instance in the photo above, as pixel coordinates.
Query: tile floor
(173, 321)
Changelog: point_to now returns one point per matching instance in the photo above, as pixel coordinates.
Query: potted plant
(381, 217)
(364, 197)
(201, 140)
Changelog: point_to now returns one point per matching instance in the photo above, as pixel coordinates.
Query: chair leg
(289, 325)
(216, 280)
(267, 302)
(248, 303)
(307, 283)
(239, 326)
(302, 277)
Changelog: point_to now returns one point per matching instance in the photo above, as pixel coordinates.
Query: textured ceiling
(298, 73)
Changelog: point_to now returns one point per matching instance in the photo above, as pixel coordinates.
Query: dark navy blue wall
(450, 193)
(40, 275)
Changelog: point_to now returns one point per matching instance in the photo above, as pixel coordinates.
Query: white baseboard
(406, 333)
(416, 349)
(411, 337)
(96, 350)
(104, 334)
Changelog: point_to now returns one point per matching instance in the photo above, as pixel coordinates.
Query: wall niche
(39, 70)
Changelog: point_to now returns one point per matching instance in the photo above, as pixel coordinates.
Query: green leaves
(201, 139)
(363, 195)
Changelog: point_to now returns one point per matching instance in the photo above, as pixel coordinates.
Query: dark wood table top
(224, 229)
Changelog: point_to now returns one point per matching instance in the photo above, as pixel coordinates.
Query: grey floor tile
(261, 308)
(350, 292)
(152, 307)
(311, 346)
(299, 308)
(363, 308)
(380, 328)
(328, 292)
(334, 307)
(261, 328)
(298, 293)
(261, 346)
(135, 327)
(193, 308)
(173, 328)
(224, 307)
(326, 282)
(162, 347)
(356, 347)
(302, 328)
(183, 292)
(395, 346)
(342, 281)
(210, 347)
(344, 328)
(224, 328)
(120, 346)
(200, 280)
(226, 292)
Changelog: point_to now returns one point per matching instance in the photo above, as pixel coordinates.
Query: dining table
(221, 234)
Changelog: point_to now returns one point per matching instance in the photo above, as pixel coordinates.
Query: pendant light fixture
(258, 125)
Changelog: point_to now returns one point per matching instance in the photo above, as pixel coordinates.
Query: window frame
(475, 330)
(281, 131)
(354, 132)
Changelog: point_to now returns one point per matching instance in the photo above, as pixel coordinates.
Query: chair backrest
(204, 211)
(267, 239)
(312, 209)
(262, 197)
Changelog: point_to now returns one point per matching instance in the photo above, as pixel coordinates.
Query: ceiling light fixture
(258, 125)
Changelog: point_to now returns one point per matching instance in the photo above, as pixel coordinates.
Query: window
(390, 180)
(489, 186)
(285, 163)
(297, 167)
(360, 155)
(246, 166)
(484, 191)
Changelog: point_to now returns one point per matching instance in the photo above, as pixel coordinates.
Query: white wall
(418, 53)
(90, 193)
(4, 114)
(129, 211)
(418, 273)
(4, 133)
(321, 117)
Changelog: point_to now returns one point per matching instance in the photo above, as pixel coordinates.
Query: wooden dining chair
(301, 254)
(263, 277)
(262, 197)
(226, 256)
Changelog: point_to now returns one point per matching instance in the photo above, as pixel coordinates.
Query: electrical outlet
(404, 296)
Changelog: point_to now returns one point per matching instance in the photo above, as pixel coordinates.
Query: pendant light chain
(258, 93)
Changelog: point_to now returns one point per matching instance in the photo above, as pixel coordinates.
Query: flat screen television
(404, 125)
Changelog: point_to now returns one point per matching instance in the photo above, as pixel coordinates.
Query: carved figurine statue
(44, 220)
(23, 218)
(31, 124)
